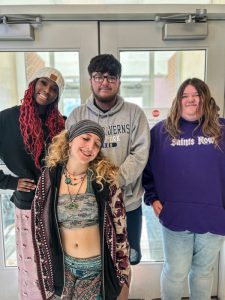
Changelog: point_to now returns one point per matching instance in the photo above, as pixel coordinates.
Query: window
(151, 79)
(15, 73)
(18, 67)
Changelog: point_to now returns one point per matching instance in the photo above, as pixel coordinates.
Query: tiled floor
(185, 298)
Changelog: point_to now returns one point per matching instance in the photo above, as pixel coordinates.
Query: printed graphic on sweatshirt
(113, 134)
(199, 140)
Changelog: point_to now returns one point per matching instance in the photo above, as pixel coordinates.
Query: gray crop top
(83, 212)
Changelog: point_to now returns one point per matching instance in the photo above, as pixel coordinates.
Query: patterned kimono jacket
(47, 242)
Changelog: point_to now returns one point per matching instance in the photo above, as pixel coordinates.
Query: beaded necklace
(72, 180)
(68, 182)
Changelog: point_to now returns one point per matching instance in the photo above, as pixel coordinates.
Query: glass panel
(8, 227)
(9, 242)
(15, 71)
(151, 79)
(151, 238)
(18, 67)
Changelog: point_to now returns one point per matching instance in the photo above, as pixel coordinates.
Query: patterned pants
(82, 278)
(27, 271)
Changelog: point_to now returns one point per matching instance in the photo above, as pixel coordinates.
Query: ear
(90, 84)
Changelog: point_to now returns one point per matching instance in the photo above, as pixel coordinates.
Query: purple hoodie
(187, 175)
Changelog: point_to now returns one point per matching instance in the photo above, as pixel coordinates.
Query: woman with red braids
(25, 132)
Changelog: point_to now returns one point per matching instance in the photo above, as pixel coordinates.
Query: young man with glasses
(127, 138)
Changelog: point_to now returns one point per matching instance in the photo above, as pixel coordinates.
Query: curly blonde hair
(102, 168)
(210, 116)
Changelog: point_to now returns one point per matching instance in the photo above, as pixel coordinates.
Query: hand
(157, 207)
(25, 185)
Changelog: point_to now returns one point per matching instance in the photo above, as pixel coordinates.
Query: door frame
(126, 35)
(53, 36)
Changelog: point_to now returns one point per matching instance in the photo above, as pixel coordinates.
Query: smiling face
(46, 91)
(85, 148)
(191, 104)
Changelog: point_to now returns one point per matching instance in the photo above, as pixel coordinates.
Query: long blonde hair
(210, 116)
(58, 153)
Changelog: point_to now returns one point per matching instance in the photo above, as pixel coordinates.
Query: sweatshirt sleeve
(150, 194)
(135, 162)
(8, 182)
(71, 119)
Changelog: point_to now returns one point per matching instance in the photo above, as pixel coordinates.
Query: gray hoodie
(126, 142)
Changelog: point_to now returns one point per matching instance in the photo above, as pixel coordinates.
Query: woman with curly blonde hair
(103, 169)
(79, 219)
(184, 182)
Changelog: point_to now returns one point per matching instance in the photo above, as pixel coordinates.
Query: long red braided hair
(31, 124)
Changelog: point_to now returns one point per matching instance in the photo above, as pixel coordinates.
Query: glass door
(59, 45)
(148, 64)
(152, 70)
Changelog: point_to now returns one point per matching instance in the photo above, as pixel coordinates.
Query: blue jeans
(188, 254)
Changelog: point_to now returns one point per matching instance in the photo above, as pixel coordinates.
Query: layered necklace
(74, 181)
(71, 179)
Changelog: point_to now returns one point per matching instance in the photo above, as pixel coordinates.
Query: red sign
(155, 112)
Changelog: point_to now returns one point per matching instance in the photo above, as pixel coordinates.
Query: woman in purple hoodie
(184, 182)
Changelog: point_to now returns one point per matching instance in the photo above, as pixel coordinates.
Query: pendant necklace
(72, 180)
(73, 203)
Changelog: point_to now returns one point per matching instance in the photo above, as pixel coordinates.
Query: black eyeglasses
(100, 78)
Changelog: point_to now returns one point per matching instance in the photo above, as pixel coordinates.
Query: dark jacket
(47, 243)
(15, 157)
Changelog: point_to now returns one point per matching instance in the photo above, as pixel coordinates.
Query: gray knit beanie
(52, 74)
(86, 126)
